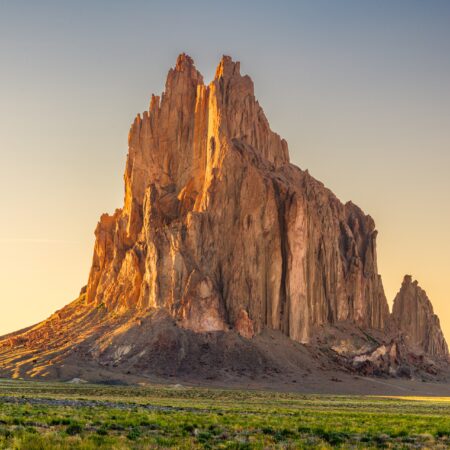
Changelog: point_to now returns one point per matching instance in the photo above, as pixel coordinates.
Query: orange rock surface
(217, 223)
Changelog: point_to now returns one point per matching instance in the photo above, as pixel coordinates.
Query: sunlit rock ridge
(221, 230)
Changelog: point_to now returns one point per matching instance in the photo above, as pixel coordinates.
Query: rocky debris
(414, 318)
(77, 381)
(393, 359)
(382, 360)
(374, 353)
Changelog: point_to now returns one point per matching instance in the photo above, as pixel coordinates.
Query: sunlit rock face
(414, 317)
(221, 231)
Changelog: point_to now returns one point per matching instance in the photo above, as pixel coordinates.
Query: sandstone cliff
(414, 317)
(219, 229)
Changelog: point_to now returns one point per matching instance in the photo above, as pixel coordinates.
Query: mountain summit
(220, 242)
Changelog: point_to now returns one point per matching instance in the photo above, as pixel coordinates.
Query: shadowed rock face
(414, 317)
(219, 229)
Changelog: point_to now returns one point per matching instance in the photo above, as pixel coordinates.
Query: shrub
(73, 429)
(204, 436)
(134, 434)
(102, 431)
(442, 433)
(188, 428)
(332, 437)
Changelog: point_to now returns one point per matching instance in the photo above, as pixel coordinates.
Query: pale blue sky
(360, 90)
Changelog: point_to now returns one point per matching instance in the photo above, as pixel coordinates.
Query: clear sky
(360, 90)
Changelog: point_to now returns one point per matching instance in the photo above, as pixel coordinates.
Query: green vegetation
(57, 415)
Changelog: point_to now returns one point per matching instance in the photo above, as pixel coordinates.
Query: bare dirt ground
(155, 350)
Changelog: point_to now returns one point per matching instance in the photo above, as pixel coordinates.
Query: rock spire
(219, 229)
(414, 317)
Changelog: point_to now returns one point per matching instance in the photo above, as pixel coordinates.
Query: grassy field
(64, 416)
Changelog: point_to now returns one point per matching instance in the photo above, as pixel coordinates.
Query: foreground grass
(57, 415)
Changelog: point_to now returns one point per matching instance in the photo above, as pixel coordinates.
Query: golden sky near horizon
(361, 94)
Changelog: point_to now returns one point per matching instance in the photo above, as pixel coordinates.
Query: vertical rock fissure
(284, 305)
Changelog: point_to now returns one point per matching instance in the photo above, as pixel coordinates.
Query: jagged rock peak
(218, 229)
(184, 67)
(227, 68)
(183, 61)
(414, 317)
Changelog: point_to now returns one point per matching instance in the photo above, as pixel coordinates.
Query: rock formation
(221, 249)
(220, 230)
(414, 317)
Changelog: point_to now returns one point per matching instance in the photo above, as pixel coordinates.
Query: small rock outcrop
(413, 316)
